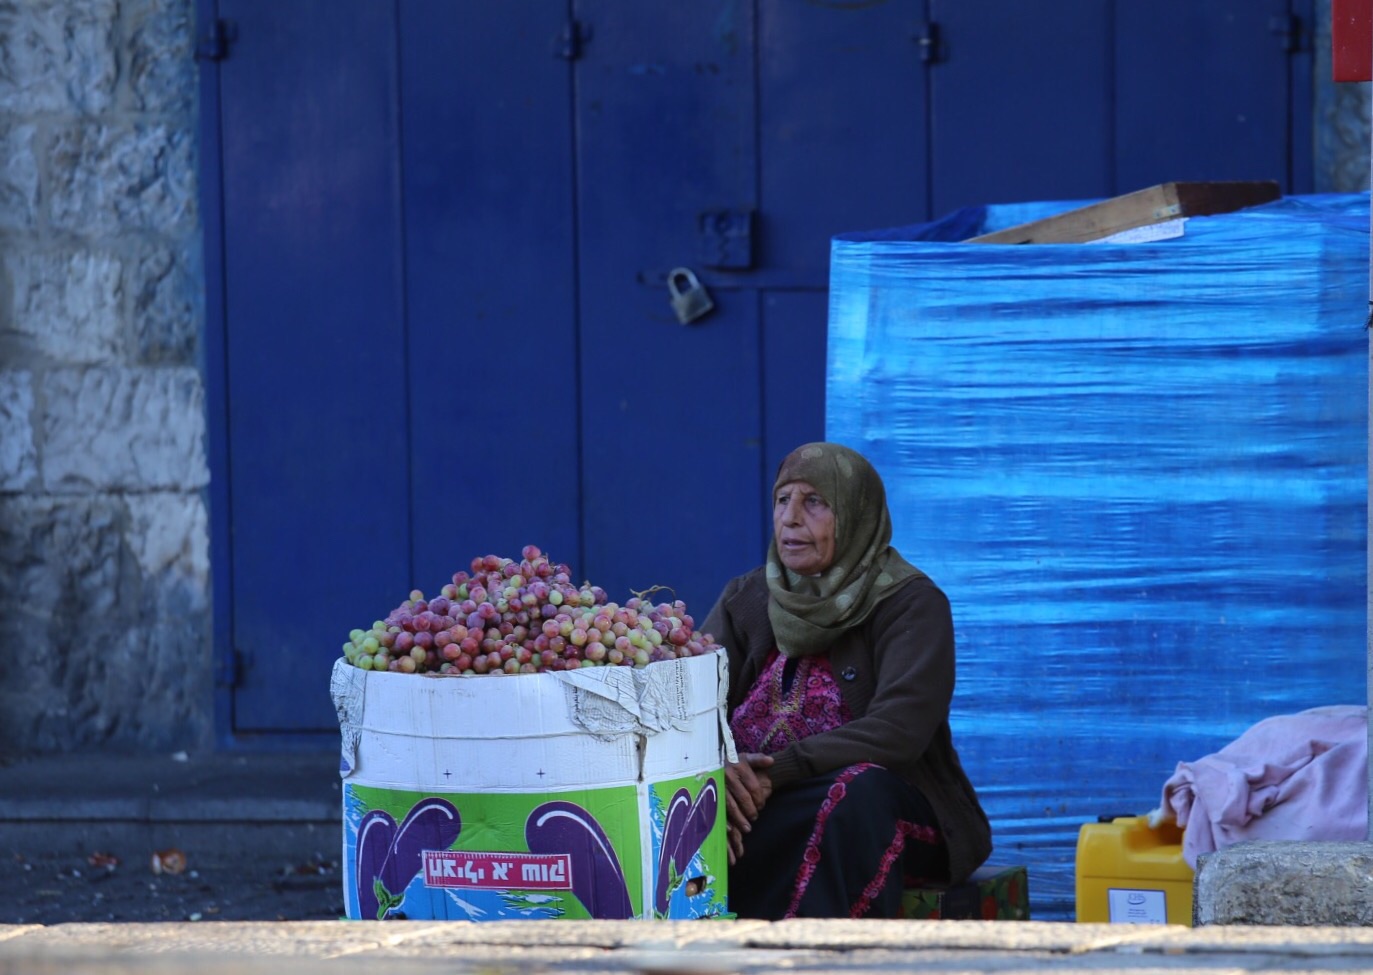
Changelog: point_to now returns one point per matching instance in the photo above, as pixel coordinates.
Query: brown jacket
(896, 673)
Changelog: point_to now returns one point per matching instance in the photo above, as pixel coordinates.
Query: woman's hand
(747, 788)
(736, 843)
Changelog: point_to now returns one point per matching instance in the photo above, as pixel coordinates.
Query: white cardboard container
(593, 793)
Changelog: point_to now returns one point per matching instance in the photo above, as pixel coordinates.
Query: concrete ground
(258, 838)
(247, 881)
(674, 948)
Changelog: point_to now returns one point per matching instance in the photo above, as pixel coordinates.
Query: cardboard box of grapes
(573, 787)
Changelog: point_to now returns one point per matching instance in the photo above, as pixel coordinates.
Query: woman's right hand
(747, 787)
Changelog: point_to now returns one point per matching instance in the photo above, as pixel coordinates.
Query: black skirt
(844, 844)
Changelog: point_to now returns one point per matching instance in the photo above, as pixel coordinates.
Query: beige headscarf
(808, 613)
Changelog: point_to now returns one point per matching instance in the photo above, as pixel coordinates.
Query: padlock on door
(690, 299)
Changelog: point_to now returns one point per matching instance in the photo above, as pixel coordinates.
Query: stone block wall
(1341, 120)
(104, 540)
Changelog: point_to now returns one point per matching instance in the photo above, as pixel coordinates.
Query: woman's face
(803, 525)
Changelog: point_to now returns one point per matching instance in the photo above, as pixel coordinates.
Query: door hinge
(231, 667)
(571, 39)
(213, 43)
(930, 42)
(1288, 30)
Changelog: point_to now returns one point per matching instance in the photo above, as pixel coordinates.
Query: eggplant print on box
(390, 857)
(598, 881)
(687, 826)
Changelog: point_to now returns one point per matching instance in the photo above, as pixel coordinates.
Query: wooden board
(1166, 201)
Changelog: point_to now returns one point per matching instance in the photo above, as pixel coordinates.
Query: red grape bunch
(524, 617)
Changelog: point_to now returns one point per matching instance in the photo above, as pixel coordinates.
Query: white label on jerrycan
(1137, 906)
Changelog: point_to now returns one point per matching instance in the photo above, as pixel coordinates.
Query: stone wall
(1341, 120)
(104, 561)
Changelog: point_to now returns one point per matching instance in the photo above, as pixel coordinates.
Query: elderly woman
(841, 653)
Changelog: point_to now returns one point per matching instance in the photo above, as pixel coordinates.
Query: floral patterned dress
(841, 844)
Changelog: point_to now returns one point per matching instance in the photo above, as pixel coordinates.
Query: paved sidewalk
(261, 787)
(672, 948)
(259, 835)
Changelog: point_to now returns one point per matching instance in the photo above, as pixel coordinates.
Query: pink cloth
(1300, 776)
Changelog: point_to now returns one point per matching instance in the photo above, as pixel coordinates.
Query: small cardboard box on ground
(593, 793)
(992, 893)
(1130, 873)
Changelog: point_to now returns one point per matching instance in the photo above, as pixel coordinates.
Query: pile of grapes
(509, 617)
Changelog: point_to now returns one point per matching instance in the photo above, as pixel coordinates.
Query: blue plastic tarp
(1139, 472)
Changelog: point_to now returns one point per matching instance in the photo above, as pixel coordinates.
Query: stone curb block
(1286, 883)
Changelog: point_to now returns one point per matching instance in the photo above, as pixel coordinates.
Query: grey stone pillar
(104, 540)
